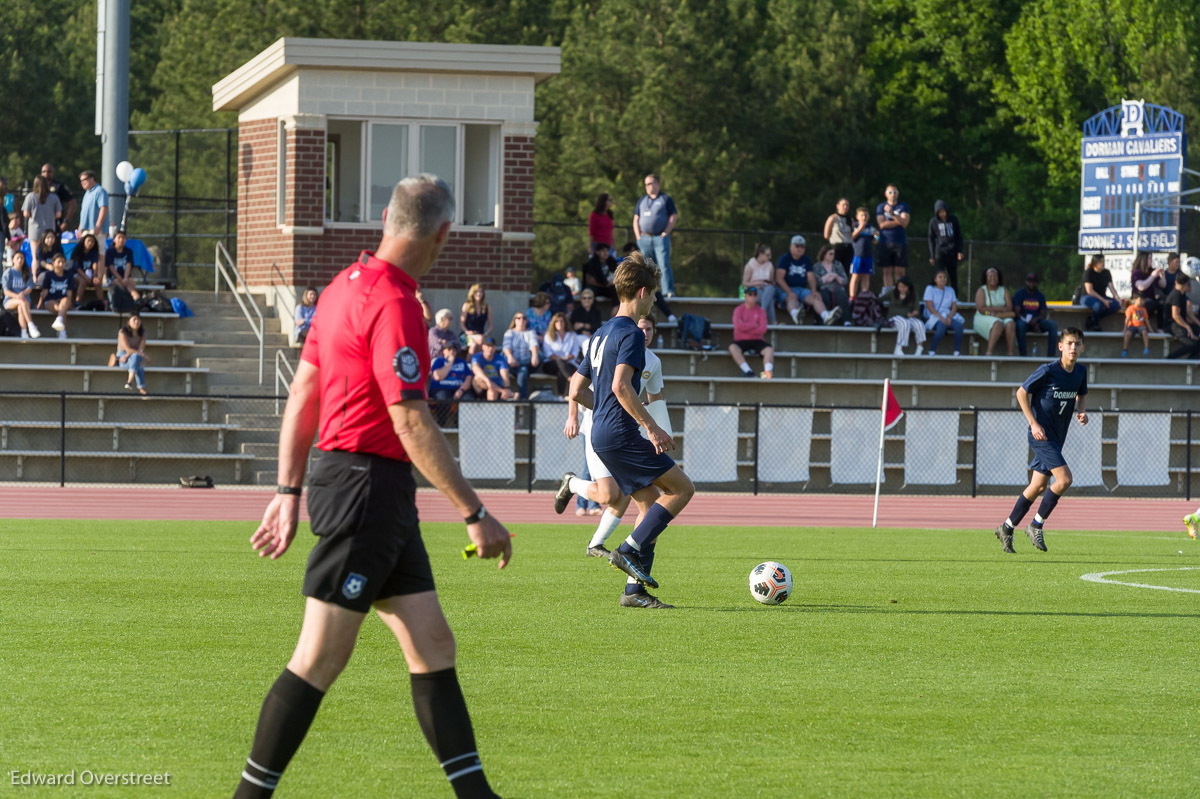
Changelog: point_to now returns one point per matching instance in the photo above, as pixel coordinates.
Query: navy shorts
(1047, 455)
(635, 465)
(891, 254)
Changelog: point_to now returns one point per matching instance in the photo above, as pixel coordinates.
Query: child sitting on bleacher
(1136, 321)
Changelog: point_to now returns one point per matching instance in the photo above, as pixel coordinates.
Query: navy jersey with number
(1052, 391)
(618, 341)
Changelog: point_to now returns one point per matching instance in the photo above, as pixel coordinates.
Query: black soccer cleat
(631, 564)
(564, 493)
(1035, 536)
(643, 600)
(598, 551)
(1005, 536)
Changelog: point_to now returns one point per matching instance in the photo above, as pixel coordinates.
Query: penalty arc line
(1100, 577)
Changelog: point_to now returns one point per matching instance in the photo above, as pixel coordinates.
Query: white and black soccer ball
(770, 583)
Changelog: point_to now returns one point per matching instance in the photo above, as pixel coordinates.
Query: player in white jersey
(652, 386)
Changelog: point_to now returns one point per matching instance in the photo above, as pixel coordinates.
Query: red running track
(806, 510)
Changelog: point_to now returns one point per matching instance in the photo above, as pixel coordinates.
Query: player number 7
(1062, 407)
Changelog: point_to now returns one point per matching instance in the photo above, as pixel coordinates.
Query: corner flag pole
(879, 469)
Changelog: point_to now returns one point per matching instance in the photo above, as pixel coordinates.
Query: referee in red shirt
(362, 384)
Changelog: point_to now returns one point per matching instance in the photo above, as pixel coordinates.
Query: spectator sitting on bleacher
(119, 262)
(1136, 321)
(1032, 314)
(539, 314)
(475, 318)
(44, 249)
(585, 319)
(58, 291)
(749, 330)
(449, 375)
(131, 352)
(994, 315)
(598, 272)
(304, 314)
(491, 380)
(797, 282)
(88, 264)
(41, 210)
(760, 274)
(573, 282)
(522, 350)
(1097, 285)
(832, 281)
(440, 334)
(1185, 325)
(1151, 283)
(13, 245)
(941, 303)
(18, 287)
(561, 350)
(905, 313)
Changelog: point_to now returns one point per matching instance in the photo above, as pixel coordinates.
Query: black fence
(72, 438)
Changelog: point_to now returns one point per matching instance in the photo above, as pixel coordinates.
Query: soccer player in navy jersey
(1049, 397)
(640, 467)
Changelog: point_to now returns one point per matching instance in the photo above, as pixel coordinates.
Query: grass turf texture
(148, 647)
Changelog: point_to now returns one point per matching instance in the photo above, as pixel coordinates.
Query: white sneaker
(671, 320)
(33, 331)
(956, 353)
(920, 350)
(62, 333)
(24, 333)
(58, 324)
(900, 351)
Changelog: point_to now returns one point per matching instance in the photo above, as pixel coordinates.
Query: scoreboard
(1128, 158)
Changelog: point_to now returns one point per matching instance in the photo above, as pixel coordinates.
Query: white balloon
(123, 170)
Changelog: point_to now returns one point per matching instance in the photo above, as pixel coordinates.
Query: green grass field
(907, 664)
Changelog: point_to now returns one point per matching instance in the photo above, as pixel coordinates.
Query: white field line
(1101, 577)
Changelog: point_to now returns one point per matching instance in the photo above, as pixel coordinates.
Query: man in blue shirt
(798, 283)
(490, 368)
(93, 211)
(640, 467)
(654, 217)
(1049, 397)
(1032, 314)
(892, 217)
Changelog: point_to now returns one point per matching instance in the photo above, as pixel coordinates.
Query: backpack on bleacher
(866, 310)
(10, 325)
(154, 302)
(695, 332)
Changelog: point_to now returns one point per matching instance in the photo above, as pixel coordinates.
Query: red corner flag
(892, 412)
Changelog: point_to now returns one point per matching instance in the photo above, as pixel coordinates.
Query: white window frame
(414, 160)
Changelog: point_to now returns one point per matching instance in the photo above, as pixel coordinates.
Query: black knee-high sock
(286, 715)
(442, 714)
(1019, 510)
(1044, 510)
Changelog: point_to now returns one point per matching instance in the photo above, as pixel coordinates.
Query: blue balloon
(137, 178)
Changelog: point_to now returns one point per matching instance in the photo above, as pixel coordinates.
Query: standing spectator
(42, 210)
(131, 352)
(93, 211)
(561, 349)
(598, 272)
(758, 273)
(1136, 321)
(654, 218)
(862, 266)
(449, 378)
(44, 250)
(585, 319)
(1097, 286)
(573, 282)
(905, 315)
(1185, 326)
(426, 310)
(832, 281)
(1151, 283)
(839, 231)
(893, 217)
(58, 291)
(749, 329)
(521, 349)
(1032, 314)
(797, 282)
(65, 198)
(491, 372)
(87, 262)
(941, 303)
(945, 242)
(304, 314)
(539, 314)
(440, 334)
(4, 220)
(119, 259)
(600, 223)
(18, 288)
(994, 315)
(475, 318)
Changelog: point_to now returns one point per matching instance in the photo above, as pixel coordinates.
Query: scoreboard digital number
(1126, 161)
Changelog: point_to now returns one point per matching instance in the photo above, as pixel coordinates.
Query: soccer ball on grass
(770, 583)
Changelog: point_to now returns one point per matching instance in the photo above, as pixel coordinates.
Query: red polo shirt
(368, 339)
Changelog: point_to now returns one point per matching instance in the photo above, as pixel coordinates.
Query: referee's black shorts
(363, 508)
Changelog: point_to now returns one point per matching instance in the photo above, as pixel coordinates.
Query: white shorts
(596, 467)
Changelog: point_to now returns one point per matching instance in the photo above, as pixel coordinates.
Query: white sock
(629, 540)
(609, 522)
(824, 315)
(1038, 520)
(795, 312)
(580, 487)
(770, 367)
(1009, 523)
(746, 368)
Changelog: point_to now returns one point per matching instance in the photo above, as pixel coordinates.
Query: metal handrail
(233, 279)
(282, 365)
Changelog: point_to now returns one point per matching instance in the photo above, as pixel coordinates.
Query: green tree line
(756, 113)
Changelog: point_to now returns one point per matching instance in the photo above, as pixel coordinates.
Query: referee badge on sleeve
(406, 365)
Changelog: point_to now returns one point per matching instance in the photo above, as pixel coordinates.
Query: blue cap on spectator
(798, 241)
(489, 340)
(752, 290)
